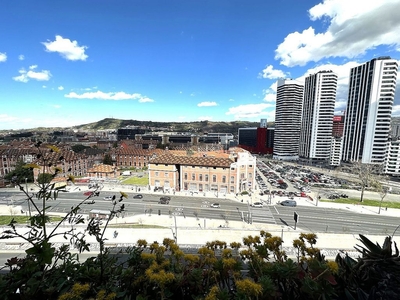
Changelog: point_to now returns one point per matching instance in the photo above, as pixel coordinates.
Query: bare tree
(367, 174)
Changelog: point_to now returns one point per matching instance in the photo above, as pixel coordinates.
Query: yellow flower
(248, 288)
(212, 295)
(54, 148)
(333, 266)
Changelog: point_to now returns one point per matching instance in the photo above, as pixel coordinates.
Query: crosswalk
(262, 215)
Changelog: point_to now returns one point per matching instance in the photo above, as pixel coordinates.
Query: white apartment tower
(317, 117)
(289, 99)
(369, 107)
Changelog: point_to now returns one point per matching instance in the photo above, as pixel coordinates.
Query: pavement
(191, 233)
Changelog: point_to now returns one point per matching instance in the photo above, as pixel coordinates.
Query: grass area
(5, 220)
(144, 181)
(366, 202)
(134, 226)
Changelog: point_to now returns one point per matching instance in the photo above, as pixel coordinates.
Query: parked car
(88, 193)
(138, 196)
(257, 204)
(288, 203)
(108, 198)
(164, 200)
(215, 205)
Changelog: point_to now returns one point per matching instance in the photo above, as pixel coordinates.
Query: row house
(69, 162)
(233, 173)
(11, 154)
(134, 158)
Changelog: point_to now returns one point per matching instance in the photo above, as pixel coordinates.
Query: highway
(313, 219)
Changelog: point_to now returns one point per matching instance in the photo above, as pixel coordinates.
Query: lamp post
(29, 201)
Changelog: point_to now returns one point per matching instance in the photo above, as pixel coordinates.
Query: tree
(367, 173)
(20, 173)
(44, 178)
(107, 160)
(79, 148)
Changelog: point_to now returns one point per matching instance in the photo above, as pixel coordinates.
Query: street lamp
(29, 201)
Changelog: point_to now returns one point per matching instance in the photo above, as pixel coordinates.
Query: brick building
(227, 173)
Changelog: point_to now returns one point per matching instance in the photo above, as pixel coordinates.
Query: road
(314, 219)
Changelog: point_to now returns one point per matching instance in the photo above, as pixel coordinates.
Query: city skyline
(74, 63)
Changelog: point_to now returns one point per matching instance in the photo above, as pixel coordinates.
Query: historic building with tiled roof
(228, 173)
(102, 171)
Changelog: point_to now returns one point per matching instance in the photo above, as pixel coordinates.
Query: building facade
(371, 93)
(289, 99)
(219, 175)
(317, 116)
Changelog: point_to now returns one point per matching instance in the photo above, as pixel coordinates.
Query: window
(200, 177)
(185, 177)
(166, 174)
(214, 178)
(232, 179)
(224, 179)
(193, 176)
(206, 177)
(156, 174)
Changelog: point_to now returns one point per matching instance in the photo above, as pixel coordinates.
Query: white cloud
(7, 118)
(68, 49)
(25, 76)
(395, 111)
(250, 110)
(44, 86)
(56, 106)
(109, 96)
(60, 88)
(207, 103)
(270, 73)
(3, 57)
(353, 28)
(33, 67)
(21, 57)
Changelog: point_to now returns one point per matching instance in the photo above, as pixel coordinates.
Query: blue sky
(65, 63)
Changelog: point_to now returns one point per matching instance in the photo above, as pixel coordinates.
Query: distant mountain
(200, 126)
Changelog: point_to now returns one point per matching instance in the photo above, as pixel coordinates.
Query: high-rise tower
(289, 98)
(317, 116)
(372, 87)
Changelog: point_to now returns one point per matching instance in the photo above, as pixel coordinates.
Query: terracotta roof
(102, 169)
(192, 161)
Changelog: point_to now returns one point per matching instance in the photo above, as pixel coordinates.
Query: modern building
(336, 141)
(258, 140)
(371, 93)
(392, 163)
(317, 117)
(289, 99)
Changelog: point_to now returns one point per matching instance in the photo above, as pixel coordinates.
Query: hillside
(200, 127)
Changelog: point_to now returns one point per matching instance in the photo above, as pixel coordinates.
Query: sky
(66, 63)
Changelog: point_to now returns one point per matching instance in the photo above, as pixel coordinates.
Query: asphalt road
(314, 219)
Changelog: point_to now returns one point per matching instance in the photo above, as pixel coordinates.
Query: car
(108, 198)
(215, 205)
(288, 203)
(138, 196)
(257, 204)
(88, 193)
(164, 200)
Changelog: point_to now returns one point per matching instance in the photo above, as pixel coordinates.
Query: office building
(371, 93)
(258, 140)
(289, 99)
(317, 116)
